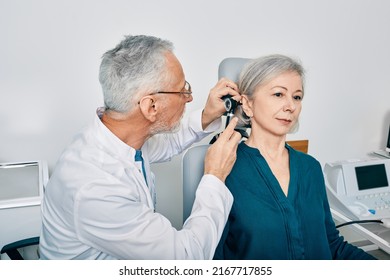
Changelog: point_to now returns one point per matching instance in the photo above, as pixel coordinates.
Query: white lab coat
(97, 205)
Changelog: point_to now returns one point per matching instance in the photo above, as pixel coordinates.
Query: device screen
(371, 176)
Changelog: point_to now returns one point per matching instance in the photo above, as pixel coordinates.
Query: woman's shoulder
(304, 158)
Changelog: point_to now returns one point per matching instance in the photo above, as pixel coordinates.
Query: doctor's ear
(148, 107)
(246, 106)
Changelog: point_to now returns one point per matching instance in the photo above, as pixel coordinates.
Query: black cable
(359, 222)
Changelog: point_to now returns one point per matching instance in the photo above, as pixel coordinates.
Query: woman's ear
(246, 106)
(148, 108)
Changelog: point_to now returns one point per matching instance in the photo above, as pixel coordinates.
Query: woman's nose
(289, 105)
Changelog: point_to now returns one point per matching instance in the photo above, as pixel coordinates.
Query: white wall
(50, 53)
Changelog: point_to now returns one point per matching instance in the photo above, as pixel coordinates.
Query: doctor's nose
(189, 98)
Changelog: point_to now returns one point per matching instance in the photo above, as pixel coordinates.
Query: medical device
(359, 188)
(386, 152)
(388, 142)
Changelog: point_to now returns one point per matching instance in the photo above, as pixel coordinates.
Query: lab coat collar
(110, 141)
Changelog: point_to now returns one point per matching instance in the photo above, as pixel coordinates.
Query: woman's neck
(270, 146)
(273, 149)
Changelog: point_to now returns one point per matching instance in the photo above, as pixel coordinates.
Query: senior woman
(280, 208)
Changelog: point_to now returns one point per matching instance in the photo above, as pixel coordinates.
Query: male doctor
(100, 200)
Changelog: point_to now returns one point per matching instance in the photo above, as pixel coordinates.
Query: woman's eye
(298, 97)
(278, 94)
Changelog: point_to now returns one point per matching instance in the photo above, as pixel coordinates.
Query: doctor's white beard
(162, 126)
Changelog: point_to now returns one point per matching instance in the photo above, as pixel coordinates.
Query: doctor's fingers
(224, 87)
(229, 133)
(225, 82)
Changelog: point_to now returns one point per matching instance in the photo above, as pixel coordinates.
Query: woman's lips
(285, 121)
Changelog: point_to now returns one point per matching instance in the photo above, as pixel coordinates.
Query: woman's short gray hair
(260, 71)
(134, 66)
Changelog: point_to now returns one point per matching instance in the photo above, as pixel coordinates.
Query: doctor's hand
(215, 107)
(221, 155)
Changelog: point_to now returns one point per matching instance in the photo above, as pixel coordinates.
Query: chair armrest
(12, 249)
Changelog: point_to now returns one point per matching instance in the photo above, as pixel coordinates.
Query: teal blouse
(264, 223)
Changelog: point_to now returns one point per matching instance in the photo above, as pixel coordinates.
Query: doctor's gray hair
(258, 72)
(135, 66)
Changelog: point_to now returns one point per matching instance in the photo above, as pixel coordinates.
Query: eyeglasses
(186, 91)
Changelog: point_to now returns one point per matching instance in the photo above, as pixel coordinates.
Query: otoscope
(230, 107)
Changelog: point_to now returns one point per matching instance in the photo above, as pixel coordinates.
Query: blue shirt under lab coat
(264, 223)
